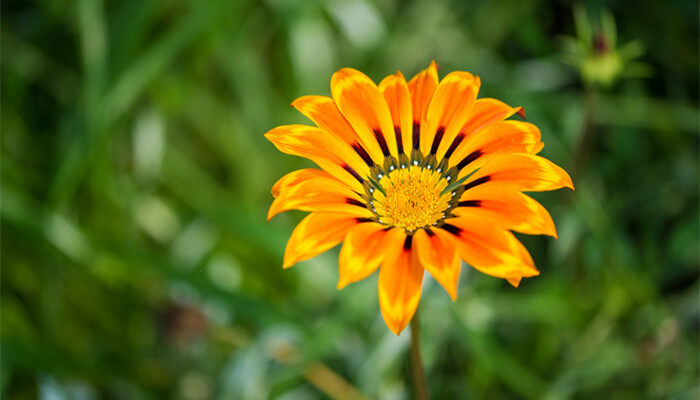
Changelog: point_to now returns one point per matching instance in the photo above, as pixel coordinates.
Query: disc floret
(411, 198)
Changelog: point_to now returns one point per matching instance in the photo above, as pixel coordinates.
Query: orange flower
(415, 176)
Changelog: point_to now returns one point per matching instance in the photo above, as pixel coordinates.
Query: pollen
(412, 198)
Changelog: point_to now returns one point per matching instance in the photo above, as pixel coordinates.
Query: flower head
(414, 176)
(594, 51)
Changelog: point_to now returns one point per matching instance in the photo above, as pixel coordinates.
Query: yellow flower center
(412, 198)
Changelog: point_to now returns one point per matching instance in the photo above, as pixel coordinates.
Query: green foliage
(137, 262)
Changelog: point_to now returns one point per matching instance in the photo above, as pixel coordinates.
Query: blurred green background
(137, 262)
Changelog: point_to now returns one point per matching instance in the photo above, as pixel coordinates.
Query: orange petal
(498, 138)
(325, 114)
(490, 249)
(422, 86)
(437, 253)
(364, 107)
(316, 233)
(514, 281)
(362, 252)
(400, 283)
(504, 205)
(447, 112)
(329, 152)
(515, 278)
(318, 193)
(485, 112)
(398, 98)
(295, 177)
(528, 172)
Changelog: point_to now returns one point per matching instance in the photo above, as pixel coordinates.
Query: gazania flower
(414, 177)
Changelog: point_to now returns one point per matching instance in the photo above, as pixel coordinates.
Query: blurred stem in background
(419, 385)
(589, 103)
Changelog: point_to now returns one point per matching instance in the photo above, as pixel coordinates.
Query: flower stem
(419, 384)
(589, 105)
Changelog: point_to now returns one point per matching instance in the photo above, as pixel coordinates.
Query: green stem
(589, 104)
(419, 384)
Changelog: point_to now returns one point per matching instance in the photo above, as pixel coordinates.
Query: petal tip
(299, 102)
(344, 73)
(273, 210)
(550, 230)
(565, 179)
(397, 328)
(568, 183)
(553, 232)
(395, 325)
(288, 262)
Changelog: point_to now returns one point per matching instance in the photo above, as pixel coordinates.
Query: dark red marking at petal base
(363, 154)
(416, 134)
(477, 182)
(454, 145)
(353, 173)
(355, 202)
(408, 242)
(382, 141)
(399, 142)
(468, 159)
(469, 203)
(452, 229)
(436, 141)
